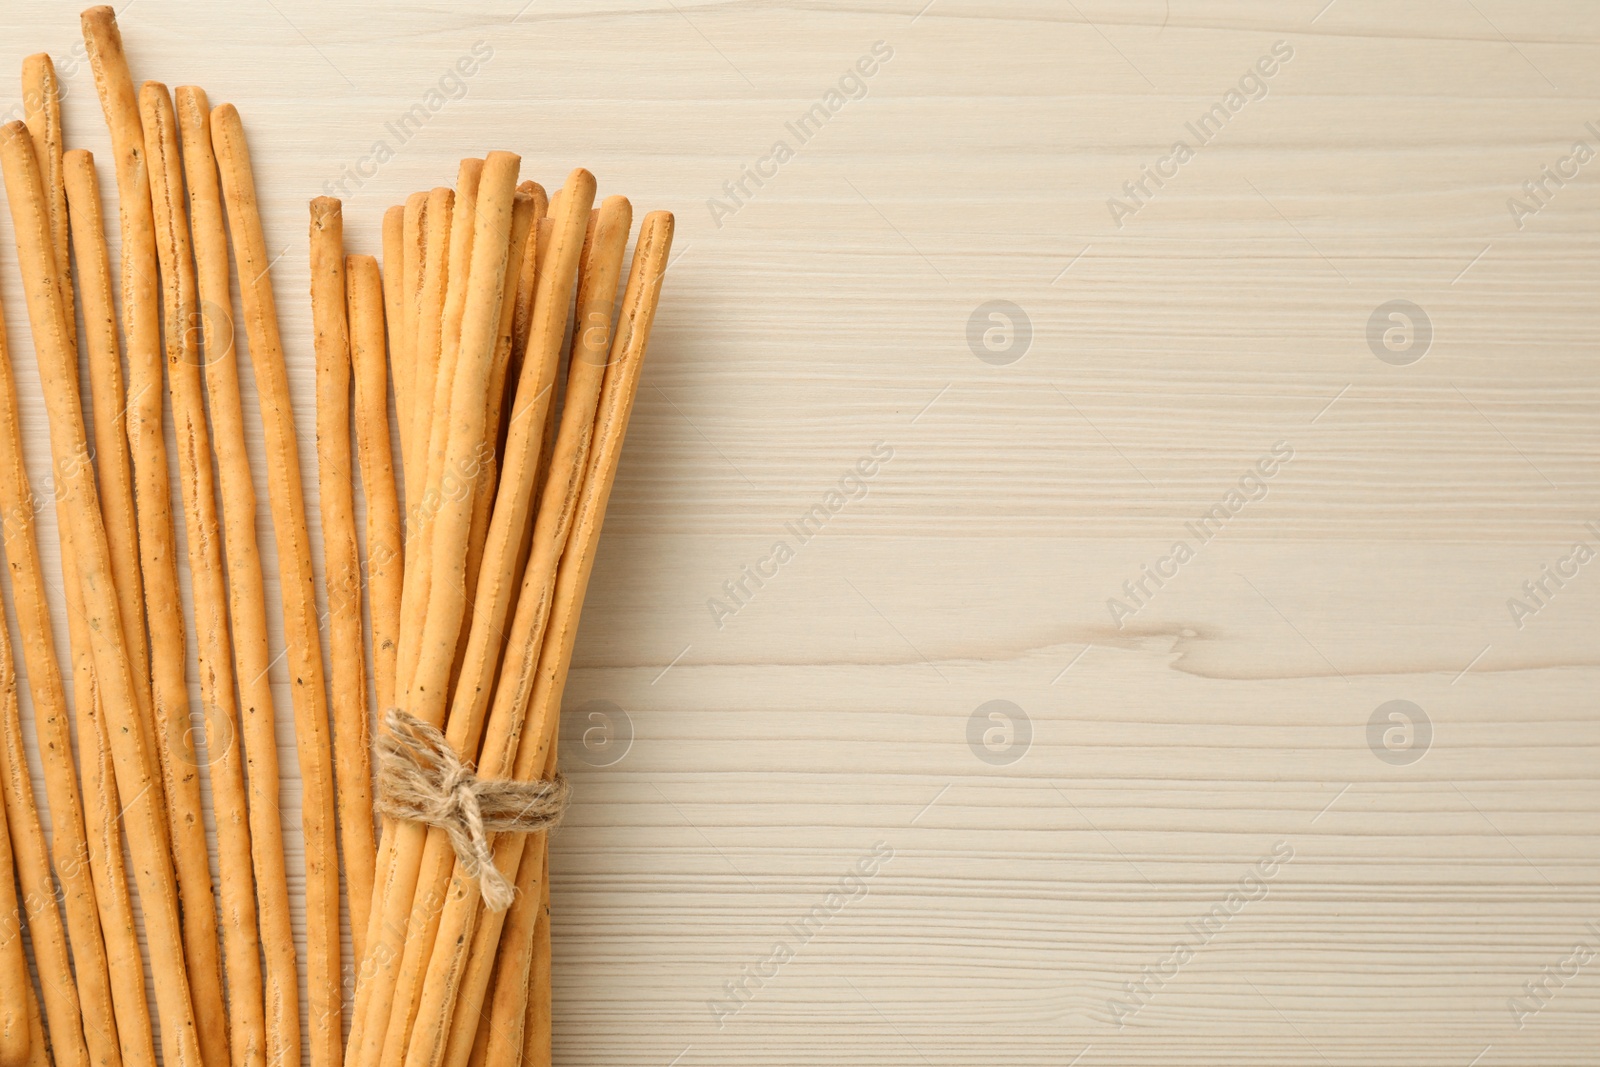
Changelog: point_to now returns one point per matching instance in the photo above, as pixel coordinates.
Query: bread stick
(342, 561)
(536, 1033)
(414, 234)
(52, 728)
(299, 596)
(366, 299)
(510, 986)
(432, 428)
(41, 101)
(393, 260)
(102, 804)
(524, 218)
(15, 983)
(32, 856)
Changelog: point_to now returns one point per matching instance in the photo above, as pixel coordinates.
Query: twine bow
(421, 779)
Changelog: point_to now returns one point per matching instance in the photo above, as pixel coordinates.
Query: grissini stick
(41, 102)
(105, 41)
(299, 595)
(247, 600)
(404, 349)
(114, 464)
(551, 421)
(463, 379)
(366, 306)
(432, 428)
(539, 406)
(32, 863)
(463, 230)
(537, 1031)
(208, 575)
(173, 738)
(510, 986)
(121, 995)
(15, 983)
(394, 296)
(110, 933)
(38, 1045)
(53, 731)
(602, 256)
(33, 857)
(523, 220)
(522, 312)
(342, 561)
(432, 435)
(521, 324)
(418, 468)
(464, 956)
(480, 1044)
(393, 260)
(430, 313)
(102, 805)
(41, 91)
(423, 858)
(79, 500)
(504, 1008)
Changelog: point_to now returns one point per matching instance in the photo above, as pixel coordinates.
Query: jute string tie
(421, 779)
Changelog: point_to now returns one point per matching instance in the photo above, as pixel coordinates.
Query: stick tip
(325, 209)
(581, 182)
(101, 16)
(656, 231)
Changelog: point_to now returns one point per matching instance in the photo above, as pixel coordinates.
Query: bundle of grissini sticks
(483, 514)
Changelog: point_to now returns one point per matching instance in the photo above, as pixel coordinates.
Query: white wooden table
(1196, 831)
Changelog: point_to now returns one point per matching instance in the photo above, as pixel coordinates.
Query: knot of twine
(421, 779)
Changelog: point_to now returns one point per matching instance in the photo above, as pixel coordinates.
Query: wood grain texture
(730, 777)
